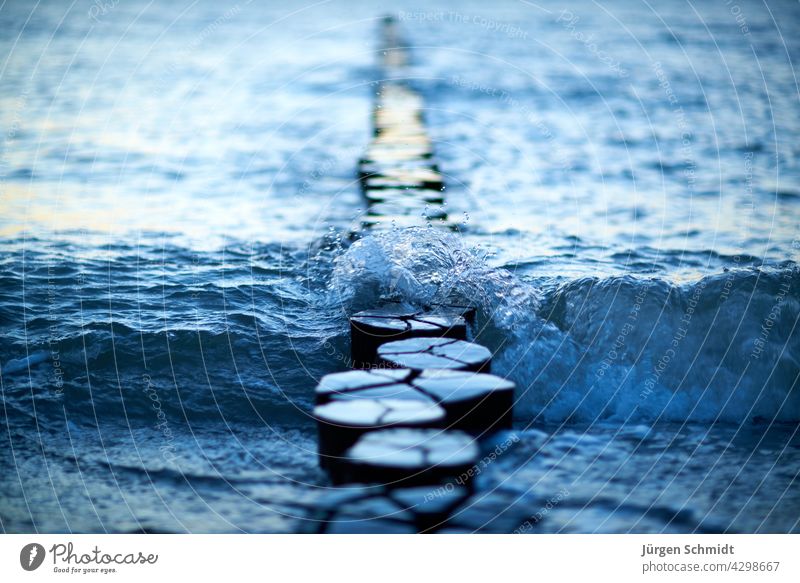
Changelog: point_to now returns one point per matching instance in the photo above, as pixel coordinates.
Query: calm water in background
(177, 186)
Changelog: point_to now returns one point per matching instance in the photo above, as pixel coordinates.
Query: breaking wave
(722, 348)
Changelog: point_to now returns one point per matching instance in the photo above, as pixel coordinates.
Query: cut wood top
(435, 353)
(414, 449)
(376, 413)
(439, 385)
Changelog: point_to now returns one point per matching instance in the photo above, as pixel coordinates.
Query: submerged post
(399, 176)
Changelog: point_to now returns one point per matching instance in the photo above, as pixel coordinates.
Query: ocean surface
(177, 193)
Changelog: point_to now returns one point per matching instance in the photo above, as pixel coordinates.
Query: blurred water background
(176, 273)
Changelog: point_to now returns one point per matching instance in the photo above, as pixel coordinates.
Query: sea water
(178, 196)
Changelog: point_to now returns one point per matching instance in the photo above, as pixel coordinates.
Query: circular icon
(31, 556)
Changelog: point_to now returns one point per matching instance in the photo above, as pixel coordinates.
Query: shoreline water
(175, 240)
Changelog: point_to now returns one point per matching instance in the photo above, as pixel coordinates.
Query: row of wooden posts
(398, 433)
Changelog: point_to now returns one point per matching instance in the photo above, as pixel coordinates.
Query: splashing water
(621, 348)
